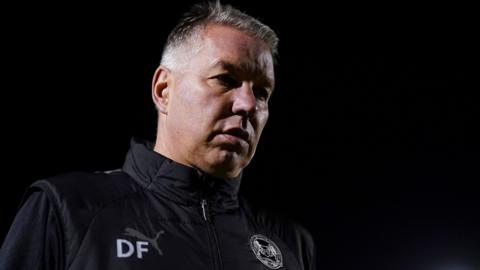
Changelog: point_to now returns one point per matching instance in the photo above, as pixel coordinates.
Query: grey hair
(199, 16)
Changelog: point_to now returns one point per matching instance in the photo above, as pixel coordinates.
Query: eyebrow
(246, 68)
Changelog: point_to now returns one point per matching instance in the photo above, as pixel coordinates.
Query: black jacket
(154, 213)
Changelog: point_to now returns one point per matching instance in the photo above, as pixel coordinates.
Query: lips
(239, 133)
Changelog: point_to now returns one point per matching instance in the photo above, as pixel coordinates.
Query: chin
(227, 165)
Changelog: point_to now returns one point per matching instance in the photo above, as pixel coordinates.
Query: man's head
(212, 89)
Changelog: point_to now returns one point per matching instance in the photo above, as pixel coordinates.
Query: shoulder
(292, 232)
(275, 221)
(80, 188)
(77, 198)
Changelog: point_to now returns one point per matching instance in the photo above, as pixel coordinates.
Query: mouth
(237, 133)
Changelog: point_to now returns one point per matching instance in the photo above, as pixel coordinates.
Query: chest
(168, 236)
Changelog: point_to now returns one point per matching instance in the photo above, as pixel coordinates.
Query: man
(174, 203)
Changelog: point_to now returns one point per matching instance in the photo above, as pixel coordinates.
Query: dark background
(372, 142)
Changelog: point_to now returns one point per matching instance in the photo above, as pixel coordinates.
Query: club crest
(266, 251)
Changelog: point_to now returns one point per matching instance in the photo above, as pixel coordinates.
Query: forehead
(224, 44)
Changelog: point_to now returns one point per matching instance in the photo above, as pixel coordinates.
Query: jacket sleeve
(311, 254)
(305, 247)
(34, 240)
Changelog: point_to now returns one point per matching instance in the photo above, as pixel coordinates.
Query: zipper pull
(204, 209)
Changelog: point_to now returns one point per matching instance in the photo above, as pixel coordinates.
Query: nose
(245, 102)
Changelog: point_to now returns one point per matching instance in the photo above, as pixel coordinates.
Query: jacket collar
(177, 182)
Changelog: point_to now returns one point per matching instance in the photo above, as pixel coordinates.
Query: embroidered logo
(266, 251)
(126, 248)
(141, 236)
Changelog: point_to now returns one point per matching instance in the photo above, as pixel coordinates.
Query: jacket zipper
(212, 236)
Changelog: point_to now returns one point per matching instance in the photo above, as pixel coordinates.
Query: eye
(261, 92)
(228, 81)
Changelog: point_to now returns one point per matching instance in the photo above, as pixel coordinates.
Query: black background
(372, 142)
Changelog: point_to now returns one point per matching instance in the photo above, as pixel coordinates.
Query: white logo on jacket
(266, 251)
(126, 248)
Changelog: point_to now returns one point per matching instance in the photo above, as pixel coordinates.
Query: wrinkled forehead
(224, 44)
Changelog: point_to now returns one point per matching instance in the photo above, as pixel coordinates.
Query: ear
(161, 84)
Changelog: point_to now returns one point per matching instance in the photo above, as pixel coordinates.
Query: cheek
(262, 118)
(181, 116)
(258, 125)
(193, 114)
